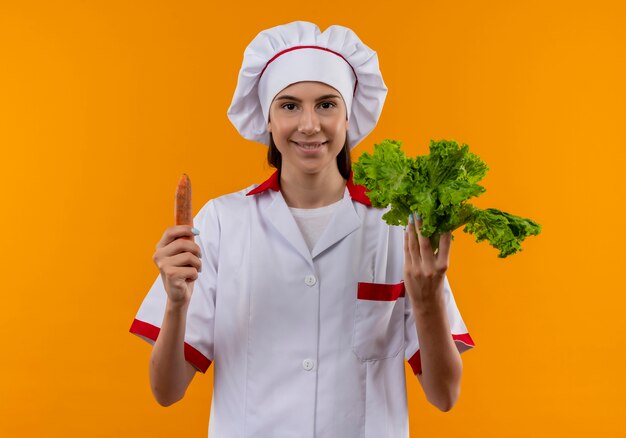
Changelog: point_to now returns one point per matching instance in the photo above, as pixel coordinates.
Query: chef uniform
(306, 340)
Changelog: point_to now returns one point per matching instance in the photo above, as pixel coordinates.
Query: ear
(269, 126)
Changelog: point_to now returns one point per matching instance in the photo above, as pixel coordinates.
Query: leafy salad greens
(437, 187)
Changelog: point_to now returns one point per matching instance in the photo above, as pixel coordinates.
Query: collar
(357, 192)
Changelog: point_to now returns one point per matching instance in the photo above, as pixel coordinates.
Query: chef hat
(298, 51)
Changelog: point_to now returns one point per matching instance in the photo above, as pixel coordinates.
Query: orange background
(104, 104)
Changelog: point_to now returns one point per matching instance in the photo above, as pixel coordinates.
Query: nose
(309, 122)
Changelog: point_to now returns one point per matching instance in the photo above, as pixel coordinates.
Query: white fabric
(296, 353)
(249, 115)
(312, 221)
(306, 64)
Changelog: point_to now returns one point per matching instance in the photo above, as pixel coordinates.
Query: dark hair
(344, 161)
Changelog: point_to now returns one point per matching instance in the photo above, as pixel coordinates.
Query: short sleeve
(199, 329)
(458, 330)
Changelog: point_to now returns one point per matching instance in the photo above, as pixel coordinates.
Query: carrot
(182, 212)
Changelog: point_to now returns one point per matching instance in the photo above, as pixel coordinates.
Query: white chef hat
(298, 51)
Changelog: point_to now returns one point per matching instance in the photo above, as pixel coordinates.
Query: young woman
(304, 300)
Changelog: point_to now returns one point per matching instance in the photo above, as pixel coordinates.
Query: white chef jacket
(304, 343)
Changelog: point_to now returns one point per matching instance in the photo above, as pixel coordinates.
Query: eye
(331, 105)
(290, 105)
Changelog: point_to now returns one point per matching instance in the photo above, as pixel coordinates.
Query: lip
(309, 143)
(309, 147)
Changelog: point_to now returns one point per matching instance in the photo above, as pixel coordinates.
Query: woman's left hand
(424, 271)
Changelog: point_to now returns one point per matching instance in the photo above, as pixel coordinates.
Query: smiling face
(308, 125)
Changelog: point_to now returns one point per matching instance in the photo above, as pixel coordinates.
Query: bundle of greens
(437, 187)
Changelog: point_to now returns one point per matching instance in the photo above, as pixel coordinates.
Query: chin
(313, 170)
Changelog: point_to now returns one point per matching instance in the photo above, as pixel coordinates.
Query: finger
(185, 259)
(407, 253)
(426, 250)
(174, 232)
(178, 246)
(414, 247)
(443, 255)
(183, 245)
(187, 274)
(178, 275)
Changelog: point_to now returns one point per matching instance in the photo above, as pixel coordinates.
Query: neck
(302, 190)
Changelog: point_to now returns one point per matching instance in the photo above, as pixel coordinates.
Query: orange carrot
(183, 214)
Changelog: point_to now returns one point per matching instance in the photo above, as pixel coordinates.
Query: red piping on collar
(357, 192)
(271, 183)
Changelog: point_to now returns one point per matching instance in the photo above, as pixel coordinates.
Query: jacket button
(307, 364)
(310, 280)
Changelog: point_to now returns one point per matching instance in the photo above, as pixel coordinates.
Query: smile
(309, 146)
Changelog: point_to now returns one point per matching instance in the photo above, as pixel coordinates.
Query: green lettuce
(437, 186)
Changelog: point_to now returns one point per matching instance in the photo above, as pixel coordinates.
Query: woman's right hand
(178, 258)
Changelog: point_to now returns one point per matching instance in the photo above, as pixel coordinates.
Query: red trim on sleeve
(193, 356)
(380, 291)
(465, 338)
(416, 362)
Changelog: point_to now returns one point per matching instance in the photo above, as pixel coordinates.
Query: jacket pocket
(378, 321)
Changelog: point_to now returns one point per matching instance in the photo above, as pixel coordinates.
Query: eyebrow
(326, 96)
